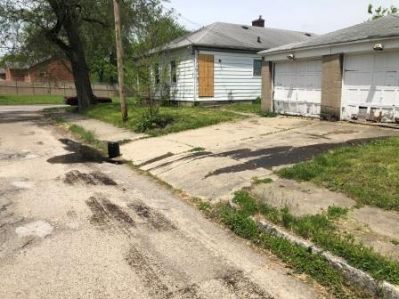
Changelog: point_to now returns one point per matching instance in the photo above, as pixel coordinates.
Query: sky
(316, 16)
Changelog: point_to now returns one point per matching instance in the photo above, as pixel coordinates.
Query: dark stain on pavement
(243, 287)
(193, 156)
(93, 178)
(79, 153)
(105, 212)
(155, 219)
(13, 156)
(277, 156)
(156, 159)
(148, 273)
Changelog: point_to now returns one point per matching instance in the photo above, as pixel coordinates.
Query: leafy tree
(80, 30)
(380, 11)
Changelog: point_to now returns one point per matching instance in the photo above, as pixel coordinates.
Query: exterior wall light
(378, 47)
(291, 57)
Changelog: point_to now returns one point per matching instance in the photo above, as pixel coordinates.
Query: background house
(2, 74)
(219, 62)
(351, 73)
(50, 70)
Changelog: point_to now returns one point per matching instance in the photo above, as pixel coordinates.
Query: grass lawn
(244, 107)
(367, 173)
(177, 118)
(30, 100)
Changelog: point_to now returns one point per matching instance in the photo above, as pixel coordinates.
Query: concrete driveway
(214, 162)
(72, 226)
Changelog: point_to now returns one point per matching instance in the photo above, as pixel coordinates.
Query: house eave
(356, 46)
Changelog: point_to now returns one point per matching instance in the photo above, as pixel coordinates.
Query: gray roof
(234, 36)
(383, 27)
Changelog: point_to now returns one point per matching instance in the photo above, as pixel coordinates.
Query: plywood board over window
(206, 75)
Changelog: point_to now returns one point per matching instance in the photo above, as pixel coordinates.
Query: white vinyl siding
(371, 86)
(297, 87)
(183, 88)
(234, 77)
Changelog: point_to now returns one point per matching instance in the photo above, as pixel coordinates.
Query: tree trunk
(81, 77)
(80, 69)
(68, 19)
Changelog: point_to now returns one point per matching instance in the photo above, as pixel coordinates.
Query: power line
(190, 21)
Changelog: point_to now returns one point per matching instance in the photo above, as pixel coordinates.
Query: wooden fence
(66, 89)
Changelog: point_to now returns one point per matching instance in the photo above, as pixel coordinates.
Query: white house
(219, 62)
(351, 73)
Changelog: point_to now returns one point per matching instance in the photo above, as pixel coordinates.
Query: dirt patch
(79, 153)
(242, 287)
(153, 218)
(93, 178)
(107, 213)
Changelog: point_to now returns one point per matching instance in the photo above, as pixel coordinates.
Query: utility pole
(119, 54)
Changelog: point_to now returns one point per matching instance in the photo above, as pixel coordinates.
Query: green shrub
(153, 119)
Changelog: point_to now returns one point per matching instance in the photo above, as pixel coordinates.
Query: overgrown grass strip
(297, 257)
(321, 230)
(368, 173)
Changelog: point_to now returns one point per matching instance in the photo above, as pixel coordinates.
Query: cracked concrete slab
(301, 198)
(235, 152)
(374, 227)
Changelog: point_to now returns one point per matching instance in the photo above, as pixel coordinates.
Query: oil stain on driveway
(72, 228)
(213, 162)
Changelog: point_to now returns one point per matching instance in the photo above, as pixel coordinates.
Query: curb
(362, 279)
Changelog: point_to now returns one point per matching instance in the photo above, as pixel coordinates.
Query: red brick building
(50, 70)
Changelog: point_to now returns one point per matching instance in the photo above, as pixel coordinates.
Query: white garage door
(371, 86)
(297, 87)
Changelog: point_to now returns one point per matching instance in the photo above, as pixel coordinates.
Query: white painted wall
(234, 79)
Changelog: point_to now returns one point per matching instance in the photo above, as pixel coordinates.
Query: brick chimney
(259, 22)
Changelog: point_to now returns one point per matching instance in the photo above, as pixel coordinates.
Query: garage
(297, 87)
(371, 87)
(348, 74)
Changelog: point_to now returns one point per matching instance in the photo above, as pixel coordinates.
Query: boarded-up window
(206, 75)
(173, 71)
(257, 68)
